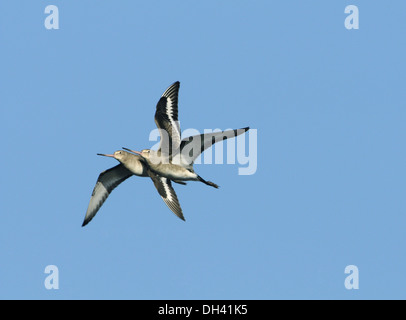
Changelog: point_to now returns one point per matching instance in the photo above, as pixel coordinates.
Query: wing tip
(87, 219)
(172, 90)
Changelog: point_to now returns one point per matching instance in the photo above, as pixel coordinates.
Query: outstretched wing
(166, 119)
(167, 193)
(105, 184)
(193, 146)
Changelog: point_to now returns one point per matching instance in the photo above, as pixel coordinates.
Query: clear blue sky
(329, 105)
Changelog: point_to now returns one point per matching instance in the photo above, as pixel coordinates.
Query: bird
(130, 165)
(175, 157)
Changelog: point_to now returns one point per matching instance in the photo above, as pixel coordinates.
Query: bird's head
(119, 155)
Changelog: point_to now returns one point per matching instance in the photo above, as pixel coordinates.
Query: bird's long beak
(133, 151)
(106, 155)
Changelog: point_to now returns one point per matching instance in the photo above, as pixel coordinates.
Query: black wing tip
(176, 85)
(87, 220)
(173, 88)
(246, 129)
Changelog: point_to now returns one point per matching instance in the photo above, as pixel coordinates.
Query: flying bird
(130, 165)
(175, 157)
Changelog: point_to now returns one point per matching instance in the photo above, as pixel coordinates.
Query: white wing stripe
(167, 190)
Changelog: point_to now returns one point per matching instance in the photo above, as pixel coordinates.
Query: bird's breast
(137, 168)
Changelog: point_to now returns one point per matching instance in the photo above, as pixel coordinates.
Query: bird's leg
(180, 182)
(209, 183)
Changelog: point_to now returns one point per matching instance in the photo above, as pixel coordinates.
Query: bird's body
(167, 167)
(132, 162)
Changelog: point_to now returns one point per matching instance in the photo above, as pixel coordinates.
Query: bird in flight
(175, 157)
(130, 165)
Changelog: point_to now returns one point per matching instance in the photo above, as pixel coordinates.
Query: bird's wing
(193, 146)
(105, 184)
(167, 193)
(166, 119)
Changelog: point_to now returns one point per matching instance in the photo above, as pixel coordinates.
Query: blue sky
(329, 108)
